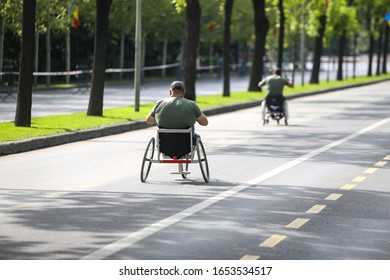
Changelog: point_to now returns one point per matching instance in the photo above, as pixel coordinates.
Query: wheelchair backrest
(175, 142)
(275, 102)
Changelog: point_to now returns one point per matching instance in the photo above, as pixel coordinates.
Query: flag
(74, 11)
(76, 17)
(387, 16)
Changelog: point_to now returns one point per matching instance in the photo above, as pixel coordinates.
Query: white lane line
(137, 236)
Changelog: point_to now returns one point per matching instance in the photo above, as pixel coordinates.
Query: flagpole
(303, 44)
(137, 62)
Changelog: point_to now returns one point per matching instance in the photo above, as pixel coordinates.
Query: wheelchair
(175, 146)
(275, 109)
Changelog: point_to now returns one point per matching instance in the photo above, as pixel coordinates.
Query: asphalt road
(316, 189)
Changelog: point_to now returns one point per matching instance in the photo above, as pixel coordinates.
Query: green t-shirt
(275, 84)
(176, 112)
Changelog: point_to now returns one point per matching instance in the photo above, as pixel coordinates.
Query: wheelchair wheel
(147, 161)
(204, 167)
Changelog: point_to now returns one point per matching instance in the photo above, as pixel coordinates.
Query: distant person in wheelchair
(274, 97)
(176, 111)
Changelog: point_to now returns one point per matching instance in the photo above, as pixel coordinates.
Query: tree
(261, 28)
(347, 17)
(193, 12)
(318, 42)
(95, 106)
(24, 97)
(226, 46)
(385, 49)
(281, 34)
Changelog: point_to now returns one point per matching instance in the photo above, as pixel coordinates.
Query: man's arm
(202, 120)
(262, 83)
(150, 119)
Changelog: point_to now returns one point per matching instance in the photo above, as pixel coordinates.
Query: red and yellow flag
(76, 17)
(75, 13)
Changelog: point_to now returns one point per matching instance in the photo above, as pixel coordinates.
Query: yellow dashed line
(316, 209)
(370, 170)
(359, 179)
(333, 196)
(348, 187)
(297, 223)
(272, 241)
(250, 257)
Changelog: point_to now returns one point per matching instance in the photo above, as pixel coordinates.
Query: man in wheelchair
(176, 140)
(176, 111)
(274, 97)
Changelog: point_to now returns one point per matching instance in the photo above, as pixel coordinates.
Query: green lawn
(71, 122)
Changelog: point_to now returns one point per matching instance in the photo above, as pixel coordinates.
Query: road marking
(273, 241)
(20, 205)
(359, 179)
(297, 223)
(370, 170)
(316, 209)
(380, 163)
(348, 187)
(143, 233)
(333, 196)
(387, 158)
(56, 194)
(250, 257)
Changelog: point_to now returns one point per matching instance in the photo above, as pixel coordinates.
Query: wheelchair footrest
(175, 161)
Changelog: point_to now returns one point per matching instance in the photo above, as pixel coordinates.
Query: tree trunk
(226, 47)
(314, 79)
(342, 40)
(261, 29)
(370, 55)
(67, 42)
(379, 52)
(193, 13)
(281, 35)
(36, 56)
(122, 55)
(48, 53)
(24, 98)
(342, 44)
(164, 55)
(2, 28)
(95, 107)
(385, 49)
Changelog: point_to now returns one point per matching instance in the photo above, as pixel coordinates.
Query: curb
(25, 145)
